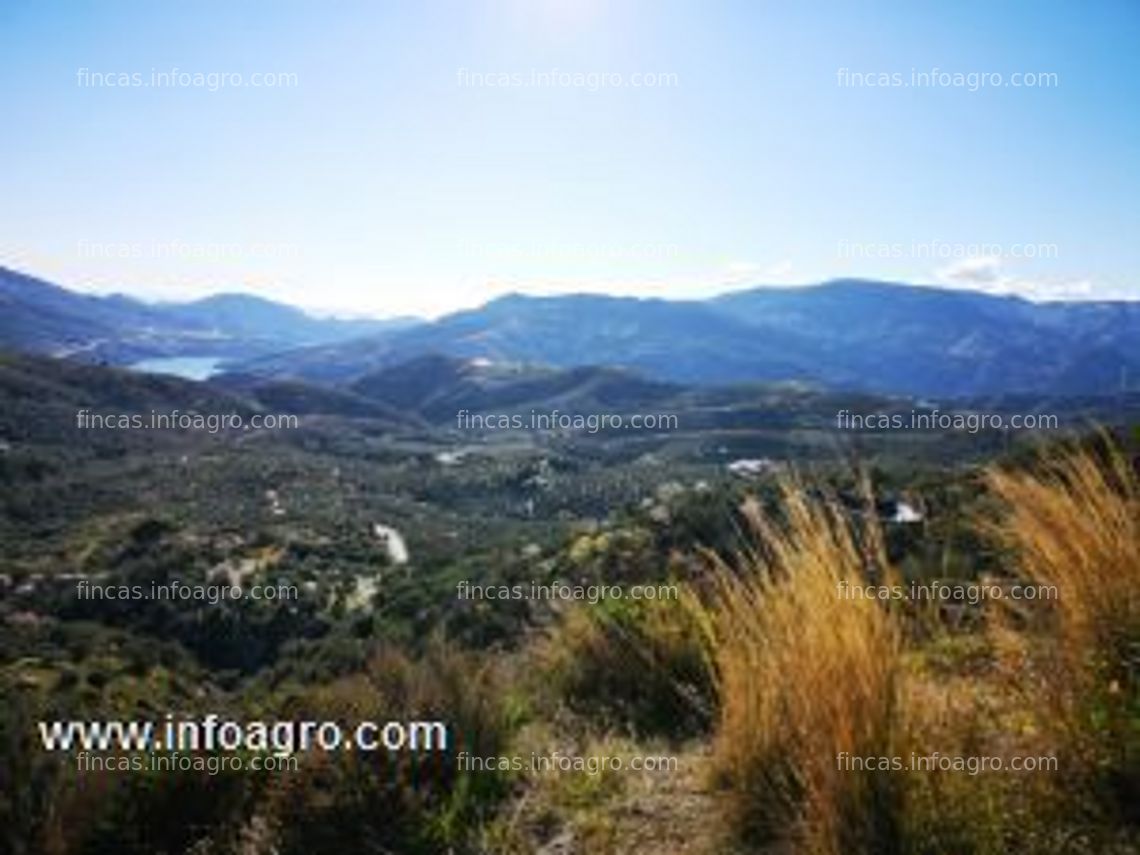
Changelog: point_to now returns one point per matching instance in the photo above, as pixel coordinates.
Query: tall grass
(1072, 522)
(804, 677)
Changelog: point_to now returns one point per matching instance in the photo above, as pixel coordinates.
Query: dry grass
(1073, 523)
(803, 676)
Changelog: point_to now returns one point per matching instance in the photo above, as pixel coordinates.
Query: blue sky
(384, 175)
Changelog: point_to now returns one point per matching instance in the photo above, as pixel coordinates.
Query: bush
(632, 665)
(401, 802)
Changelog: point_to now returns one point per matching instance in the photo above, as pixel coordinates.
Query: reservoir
(188, 367)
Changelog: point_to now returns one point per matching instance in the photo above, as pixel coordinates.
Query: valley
(388, 490)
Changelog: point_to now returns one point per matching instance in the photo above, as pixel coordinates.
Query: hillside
(893, 338)
(884, 338)
(438, 387)
(39, 317)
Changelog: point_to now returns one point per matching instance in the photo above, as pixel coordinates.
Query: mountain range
(39, 317)
(878, 337)
(849, 334)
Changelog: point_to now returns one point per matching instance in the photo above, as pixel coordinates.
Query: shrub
(404, 801)
(635, 666)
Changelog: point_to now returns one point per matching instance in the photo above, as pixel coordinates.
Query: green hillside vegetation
(367, 636)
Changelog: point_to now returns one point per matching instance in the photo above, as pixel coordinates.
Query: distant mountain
(39, 317)
(680, 341)
(255, 318)
(877, 337)
(850, 334)
(440, 390)
(683, 342)
(935, 341)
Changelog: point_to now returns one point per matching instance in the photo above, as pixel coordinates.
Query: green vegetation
(749, 678)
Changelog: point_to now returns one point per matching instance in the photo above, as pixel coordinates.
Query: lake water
(189, 367)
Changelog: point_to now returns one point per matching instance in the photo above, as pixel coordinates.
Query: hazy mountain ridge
(885, 338)
(37, 316)
(926, 340)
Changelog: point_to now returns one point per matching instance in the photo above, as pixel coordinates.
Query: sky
(393, 158)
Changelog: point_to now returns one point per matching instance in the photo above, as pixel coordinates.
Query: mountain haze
(39, 317)
(851, 334)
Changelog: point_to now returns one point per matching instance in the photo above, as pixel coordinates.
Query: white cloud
(986, 274)
(972, 272)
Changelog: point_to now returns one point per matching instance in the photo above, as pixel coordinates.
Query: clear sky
(385, 175)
